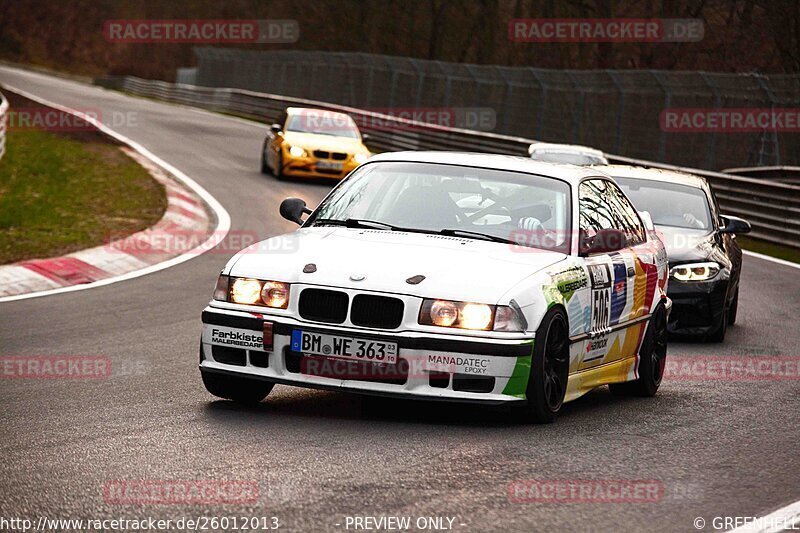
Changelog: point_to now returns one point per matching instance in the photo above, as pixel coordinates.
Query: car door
(618, 278)
(595, 216)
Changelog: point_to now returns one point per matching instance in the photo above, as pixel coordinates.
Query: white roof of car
(571, 148)
(653, 174)
(569, 173)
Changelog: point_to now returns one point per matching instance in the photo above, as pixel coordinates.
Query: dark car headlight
(695, 271)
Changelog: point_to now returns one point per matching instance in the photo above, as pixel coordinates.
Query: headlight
(467, 315)
(360, 159)
(275, 294)
(250, 291)
(296, 151)
(246, 291)
(695, 271)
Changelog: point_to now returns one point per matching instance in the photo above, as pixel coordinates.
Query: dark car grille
(376, 311)
(324, 154)
(323, 306)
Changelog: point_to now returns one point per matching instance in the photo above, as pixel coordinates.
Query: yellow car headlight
(296, 151)
(463, 315)
(249, 291)
(360, 159)
(695, 271)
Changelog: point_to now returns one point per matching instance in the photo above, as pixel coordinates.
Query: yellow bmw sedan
(313, 143)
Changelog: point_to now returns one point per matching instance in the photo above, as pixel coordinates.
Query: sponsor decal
(570, 280)
(235, 337)
(460, 364)
(596, 349)
(601, 296)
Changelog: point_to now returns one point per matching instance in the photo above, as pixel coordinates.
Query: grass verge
(767, 248)
(60, 194)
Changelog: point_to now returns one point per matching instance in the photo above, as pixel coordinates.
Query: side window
(627, 217)
(595, 213)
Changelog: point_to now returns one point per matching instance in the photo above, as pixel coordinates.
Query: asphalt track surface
(718, 448)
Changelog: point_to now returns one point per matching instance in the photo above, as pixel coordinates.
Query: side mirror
(276, 128)
(647, 220)
(365, 136)
(734, 225)
(603, 242)
(293, 209)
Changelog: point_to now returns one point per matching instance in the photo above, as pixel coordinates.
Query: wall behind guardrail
(773, 208)
(617, 111)
(3, 124)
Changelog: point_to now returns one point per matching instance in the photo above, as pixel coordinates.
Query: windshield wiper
(475, 234)
(354, 223)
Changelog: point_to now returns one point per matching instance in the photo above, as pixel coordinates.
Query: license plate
(331, 165)
(344, 347)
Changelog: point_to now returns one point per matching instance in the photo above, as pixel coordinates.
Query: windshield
(323, 123)
(506, 206)
(669, 204)
(571, 158)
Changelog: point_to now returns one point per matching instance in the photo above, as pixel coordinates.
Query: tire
(264, 166)
(734, 308)
(278, 170)
(241, 390)
(547, 384)
(652, 359)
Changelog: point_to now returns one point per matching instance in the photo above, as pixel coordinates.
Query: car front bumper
(438, 367)
(697, 306)
(310, 167)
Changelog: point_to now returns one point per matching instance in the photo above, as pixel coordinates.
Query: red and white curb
(193, 218)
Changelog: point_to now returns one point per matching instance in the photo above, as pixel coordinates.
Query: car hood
(684, 244)
(454, 268)
(313, 141)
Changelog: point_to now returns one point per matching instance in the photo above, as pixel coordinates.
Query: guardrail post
(577, 111)
(542, 103)
(712, 139)
(662, 138)
(620, 109)
(506, 112)
(772, 101)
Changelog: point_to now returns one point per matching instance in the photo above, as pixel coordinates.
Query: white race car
(450, 276)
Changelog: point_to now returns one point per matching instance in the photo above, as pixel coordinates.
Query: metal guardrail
(3, 124)
(772, 208)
